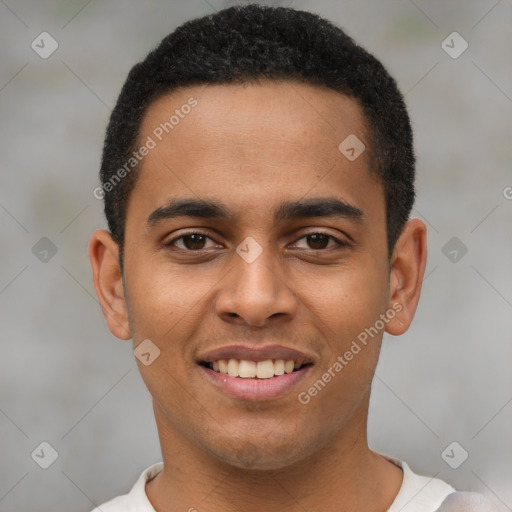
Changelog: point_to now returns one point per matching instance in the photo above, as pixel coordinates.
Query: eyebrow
(288, 210)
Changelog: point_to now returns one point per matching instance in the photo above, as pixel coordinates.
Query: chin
(251, 454)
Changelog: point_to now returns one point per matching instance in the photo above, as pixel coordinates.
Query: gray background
(64, 378)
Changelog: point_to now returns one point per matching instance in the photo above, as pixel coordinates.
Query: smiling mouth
(246, 369)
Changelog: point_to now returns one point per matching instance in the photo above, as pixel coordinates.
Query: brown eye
(190, 242)
(318, 241)
(195, 241)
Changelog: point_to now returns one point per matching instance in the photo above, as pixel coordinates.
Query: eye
(196, 241)
(190, 241)
(320, 241)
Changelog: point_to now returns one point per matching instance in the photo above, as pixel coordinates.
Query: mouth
(254, 374)
(247, 369)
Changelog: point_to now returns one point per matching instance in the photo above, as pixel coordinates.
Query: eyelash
(339, 243)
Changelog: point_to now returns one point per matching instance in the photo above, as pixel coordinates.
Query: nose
(255, 292)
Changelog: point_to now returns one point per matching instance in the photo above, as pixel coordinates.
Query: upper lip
(251, 353)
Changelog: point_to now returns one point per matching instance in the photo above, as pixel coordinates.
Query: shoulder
(121, 503)
(466, 502)
(136, 500)
(420, 493)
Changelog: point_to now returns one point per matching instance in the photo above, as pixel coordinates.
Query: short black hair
(251, 43)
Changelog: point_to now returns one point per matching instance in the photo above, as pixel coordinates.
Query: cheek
(167, 305)
(163, 299)
(346, 299)
(348, 305)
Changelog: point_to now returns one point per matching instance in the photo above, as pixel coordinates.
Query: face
(254, 246)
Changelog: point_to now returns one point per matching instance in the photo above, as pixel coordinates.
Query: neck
(342, 475)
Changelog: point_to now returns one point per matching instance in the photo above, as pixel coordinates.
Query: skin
(252, 147)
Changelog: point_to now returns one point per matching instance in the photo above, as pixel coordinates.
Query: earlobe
(407, 269)
(108, 282)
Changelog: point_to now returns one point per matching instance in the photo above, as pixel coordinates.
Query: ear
(108, 282)
(407, 269)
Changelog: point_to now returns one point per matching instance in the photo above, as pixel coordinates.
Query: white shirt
(417, 493)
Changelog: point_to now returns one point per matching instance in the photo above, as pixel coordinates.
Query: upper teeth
(251, 369)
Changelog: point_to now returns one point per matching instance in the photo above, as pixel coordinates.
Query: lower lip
(256, 390)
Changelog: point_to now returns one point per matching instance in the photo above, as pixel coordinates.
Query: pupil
(318, 238)
(196, 239)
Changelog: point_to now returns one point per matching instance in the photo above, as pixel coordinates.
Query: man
(258, 176)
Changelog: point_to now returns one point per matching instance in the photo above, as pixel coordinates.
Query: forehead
(270, 113)
(253, 144)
